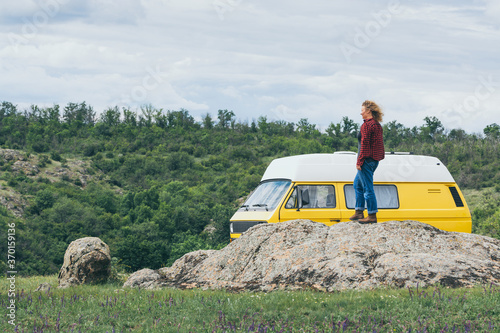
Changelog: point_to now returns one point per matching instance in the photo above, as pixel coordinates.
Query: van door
(315, 202)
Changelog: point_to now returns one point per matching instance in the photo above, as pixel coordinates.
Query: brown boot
(357, 216)
(371, 218)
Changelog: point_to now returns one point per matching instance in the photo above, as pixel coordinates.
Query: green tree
(304, 127)
(79, 114)
(433, 127)
(7, 109)
(492, 131)
(225, 118)
(44, 199)
(208, 123)
(110, 117)
(349, 127)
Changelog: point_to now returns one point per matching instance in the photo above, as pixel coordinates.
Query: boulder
(145, 278)
(302, 254)
(87, 260)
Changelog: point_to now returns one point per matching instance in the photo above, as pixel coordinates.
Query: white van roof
(341, 167)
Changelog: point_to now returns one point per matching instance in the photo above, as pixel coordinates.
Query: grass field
(110, 308)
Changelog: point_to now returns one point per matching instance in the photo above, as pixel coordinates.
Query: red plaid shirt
(372, 141)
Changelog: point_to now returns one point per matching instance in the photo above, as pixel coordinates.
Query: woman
(370, 152)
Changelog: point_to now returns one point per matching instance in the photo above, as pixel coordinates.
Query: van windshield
(267, 195)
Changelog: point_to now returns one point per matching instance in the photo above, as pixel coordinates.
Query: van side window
(387, 196)
(319, 196)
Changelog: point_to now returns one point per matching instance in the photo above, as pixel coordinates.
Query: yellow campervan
(319, 187)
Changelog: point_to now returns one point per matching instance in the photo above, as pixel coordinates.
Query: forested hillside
(156, 184)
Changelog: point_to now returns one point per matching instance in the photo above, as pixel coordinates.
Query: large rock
(145, 278)
(87, 260)
(302, 254)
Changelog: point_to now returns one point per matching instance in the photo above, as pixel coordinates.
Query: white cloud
(17, 8)
(231, 91)
(108, 12)
(493, 9)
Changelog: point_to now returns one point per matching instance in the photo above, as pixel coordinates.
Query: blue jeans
(363, 187)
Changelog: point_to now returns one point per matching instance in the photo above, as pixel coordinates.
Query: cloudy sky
(286, 60)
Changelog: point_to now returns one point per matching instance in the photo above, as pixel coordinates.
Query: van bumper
(238, 227)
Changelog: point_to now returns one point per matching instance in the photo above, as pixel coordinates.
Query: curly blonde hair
(375, 109)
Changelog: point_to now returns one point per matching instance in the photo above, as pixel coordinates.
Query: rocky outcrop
(30, 165)
(73, 170)
(12, 155)
(13, 201)
(302, 254)
(38, 166)
(26, 167)
(20, 161)
(87, 260)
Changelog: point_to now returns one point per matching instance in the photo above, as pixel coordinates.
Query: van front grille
(239, 227)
